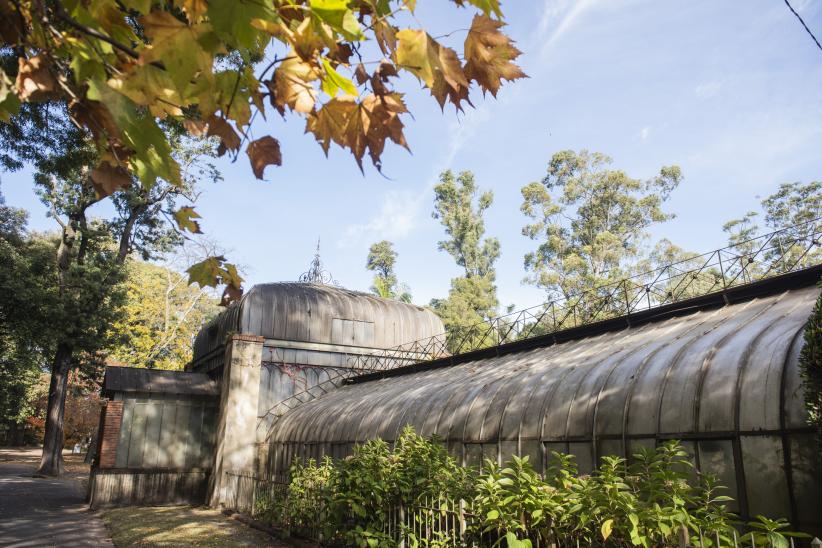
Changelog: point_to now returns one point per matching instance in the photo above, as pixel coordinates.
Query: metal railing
(786, 250)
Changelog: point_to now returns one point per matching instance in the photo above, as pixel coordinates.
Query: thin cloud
(401, 212)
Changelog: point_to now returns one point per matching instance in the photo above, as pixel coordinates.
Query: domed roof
(318, 313)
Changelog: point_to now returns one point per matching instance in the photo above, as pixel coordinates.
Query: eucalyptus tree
(381, 260)
(460, 206)
(795, 210)
(590, 222)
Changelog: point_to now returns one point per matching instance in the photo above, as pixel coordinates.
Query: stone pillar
(109, 434)
(240, 392)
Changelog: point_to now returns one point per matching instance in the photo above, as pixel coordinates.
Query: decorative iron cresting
(786, 250)
(316, 274)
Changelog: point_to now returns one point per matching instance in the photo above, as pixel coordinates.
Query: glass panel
(584, 456)
(473, 454)
(507, 449)
(636, 445)
(806, 467)
(533, 450)
(549, 449)
(765, 480)
(610, 448)
(489, 451)
(717, 457)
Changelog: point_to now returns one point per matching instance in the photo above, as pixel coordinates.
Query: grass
(163, 526)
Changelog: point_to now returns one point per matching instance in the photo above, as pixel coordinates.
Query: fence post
(402, 526)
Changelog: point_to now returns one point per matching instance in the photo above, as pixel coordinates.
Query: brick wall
(110, 423)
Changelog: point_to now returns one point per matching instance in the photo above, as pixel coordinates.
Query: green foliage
(654, 501)
(460, 206)
(810, 366)
(381, 260)
(793, 205)
(590, 222)
(161, 316)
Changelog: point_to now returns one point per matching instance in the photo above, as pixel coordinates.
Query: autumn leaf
(177, 45)
(333, 81)
(9, 102)
(437, 66)
(328, 123)
(337, 15)
(195, 128)
(362, 127)
(488, 55)
(185, 218)
(229, 140)
(34, 80)
(487, 6)
(107, 179)
(292, 85)
(214, 271)
(206, 273)
(264, 152)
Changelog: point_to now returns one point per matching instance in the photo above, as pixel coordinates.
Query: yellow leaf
(437, 66)
(607, 527)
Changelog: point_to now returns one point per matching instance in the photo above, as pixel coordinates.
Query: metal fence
(787, 250)
(432, 521)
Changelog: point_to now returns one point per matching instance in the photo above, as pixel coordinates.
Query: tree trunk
(52, 462)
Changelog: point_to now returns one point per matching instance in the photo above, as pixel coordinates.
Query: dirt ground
(164, 526)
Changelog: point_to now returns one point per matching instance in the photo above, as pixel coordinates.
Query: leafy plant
(651, 502)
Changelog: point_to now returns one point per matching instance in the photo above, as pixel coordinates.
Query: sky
(730, 91)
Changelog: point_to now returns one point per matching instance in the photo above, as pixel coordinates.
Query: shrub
(654, 501)
(810, 366)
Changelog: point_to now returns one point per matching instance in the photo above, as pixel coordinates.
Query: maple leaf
(9, 102)
(195, 128)
(292, 85)
(328, 123)
(150, 86)
(34, 79)
(487, 6)
(333, 81)
(107, 178)
(362, 127)
(488, 54)
(177, 45)
(206, 272)
(437, 66)
(213, 271)
(185, 220)
(264, 152)
(229, 140)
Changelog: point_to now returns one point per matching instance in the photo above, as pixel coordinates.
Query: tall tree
(795, 210)
(590, 221)
(460, 205)
(121, 67)
(89, 254)
(381, 260)
(24, 328)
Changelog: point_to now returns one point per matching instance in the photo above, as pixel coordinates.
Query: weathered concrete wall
(121, 487)
(237, 424)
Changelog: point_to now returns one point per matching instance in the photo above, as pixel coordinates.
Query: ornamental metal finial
(316, 274)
